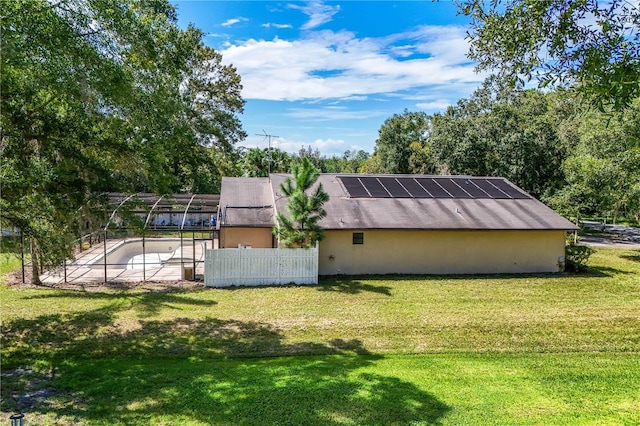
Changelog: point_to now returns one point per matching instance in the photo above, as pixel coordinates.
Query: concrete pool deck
(87, 267)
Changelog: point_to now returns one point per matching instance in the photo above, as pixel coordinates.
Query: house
(407, 224)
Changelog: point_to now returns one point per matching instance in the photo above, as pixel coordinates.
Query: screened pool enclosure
(142, 237)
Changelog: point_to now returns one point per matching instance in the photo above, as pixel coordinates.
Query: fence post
(22, 254)
(181, 253)
(144, 259)
(193, 239)
(279, 257)
(316, 261)
(104, 258)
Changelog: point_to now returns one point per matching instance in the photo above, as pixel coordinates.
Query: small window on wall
(358, 238)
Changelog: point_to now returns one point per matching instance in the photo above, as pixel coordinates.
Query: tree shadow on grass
(356, 281)
(601, 271)
(633, 257)
(58, 339)
(210, 370)
(351, 285)
(147, 304)
(291, 390)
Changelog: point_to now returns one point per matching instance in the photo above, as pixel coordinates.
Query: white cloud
(402, 51)
(354, 98)
(335, 65)
(447, 43)
(278, 26)
(327, 146)
(434, 106)
(331, 113)
(233, 21)
(318, 13)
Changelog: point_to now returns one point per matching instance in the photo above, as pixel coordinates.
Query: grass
(9, 262)
(370, 350)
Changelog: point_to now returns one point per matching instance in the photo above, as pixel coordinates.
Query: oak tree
(588, 44)
(98, 96)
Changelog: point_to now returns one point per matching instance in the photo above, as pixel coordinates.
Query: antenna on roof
(267, 136)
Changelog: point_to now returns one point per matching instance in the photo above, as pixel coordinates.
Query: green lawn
(362, 351)
(8, 263)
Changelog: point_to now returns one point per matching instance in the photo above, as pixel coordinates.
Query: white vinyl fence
(260, 266)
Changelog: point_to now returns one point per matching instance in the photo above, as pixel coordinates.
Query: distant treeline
(581, 162)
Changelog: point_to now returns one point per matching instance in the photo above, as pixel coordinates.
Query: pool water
(132, 255)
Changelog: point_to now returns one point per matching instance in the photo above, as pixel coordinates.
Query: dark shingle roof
(250, 202)
(348, 212)
(246, 202)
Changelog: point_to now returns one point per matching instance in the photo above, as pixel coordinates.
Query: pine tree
(300, 228)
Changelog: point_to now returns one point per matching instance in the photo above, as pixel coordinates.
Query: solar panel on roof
(449, 184)
(471, 188)
(395, 189)
(509, 189)
(490, 189)
(414, 188)
(354, 187)
(374, 187)
(434, 189)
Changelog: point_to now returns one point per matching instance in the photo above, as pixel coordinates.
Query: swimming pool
(149, 253)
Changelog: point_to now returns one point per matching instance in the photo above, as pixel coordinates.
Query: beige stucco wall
(254, 237)
(441, 252)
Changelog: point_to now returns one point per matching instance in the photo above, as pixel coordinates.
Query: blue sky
(328, 74)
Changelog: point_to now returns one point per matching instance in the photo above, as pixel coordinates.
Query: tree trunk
(35, 265)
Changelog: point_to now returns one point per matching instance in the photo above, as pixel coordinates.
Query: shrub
(576, 257)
